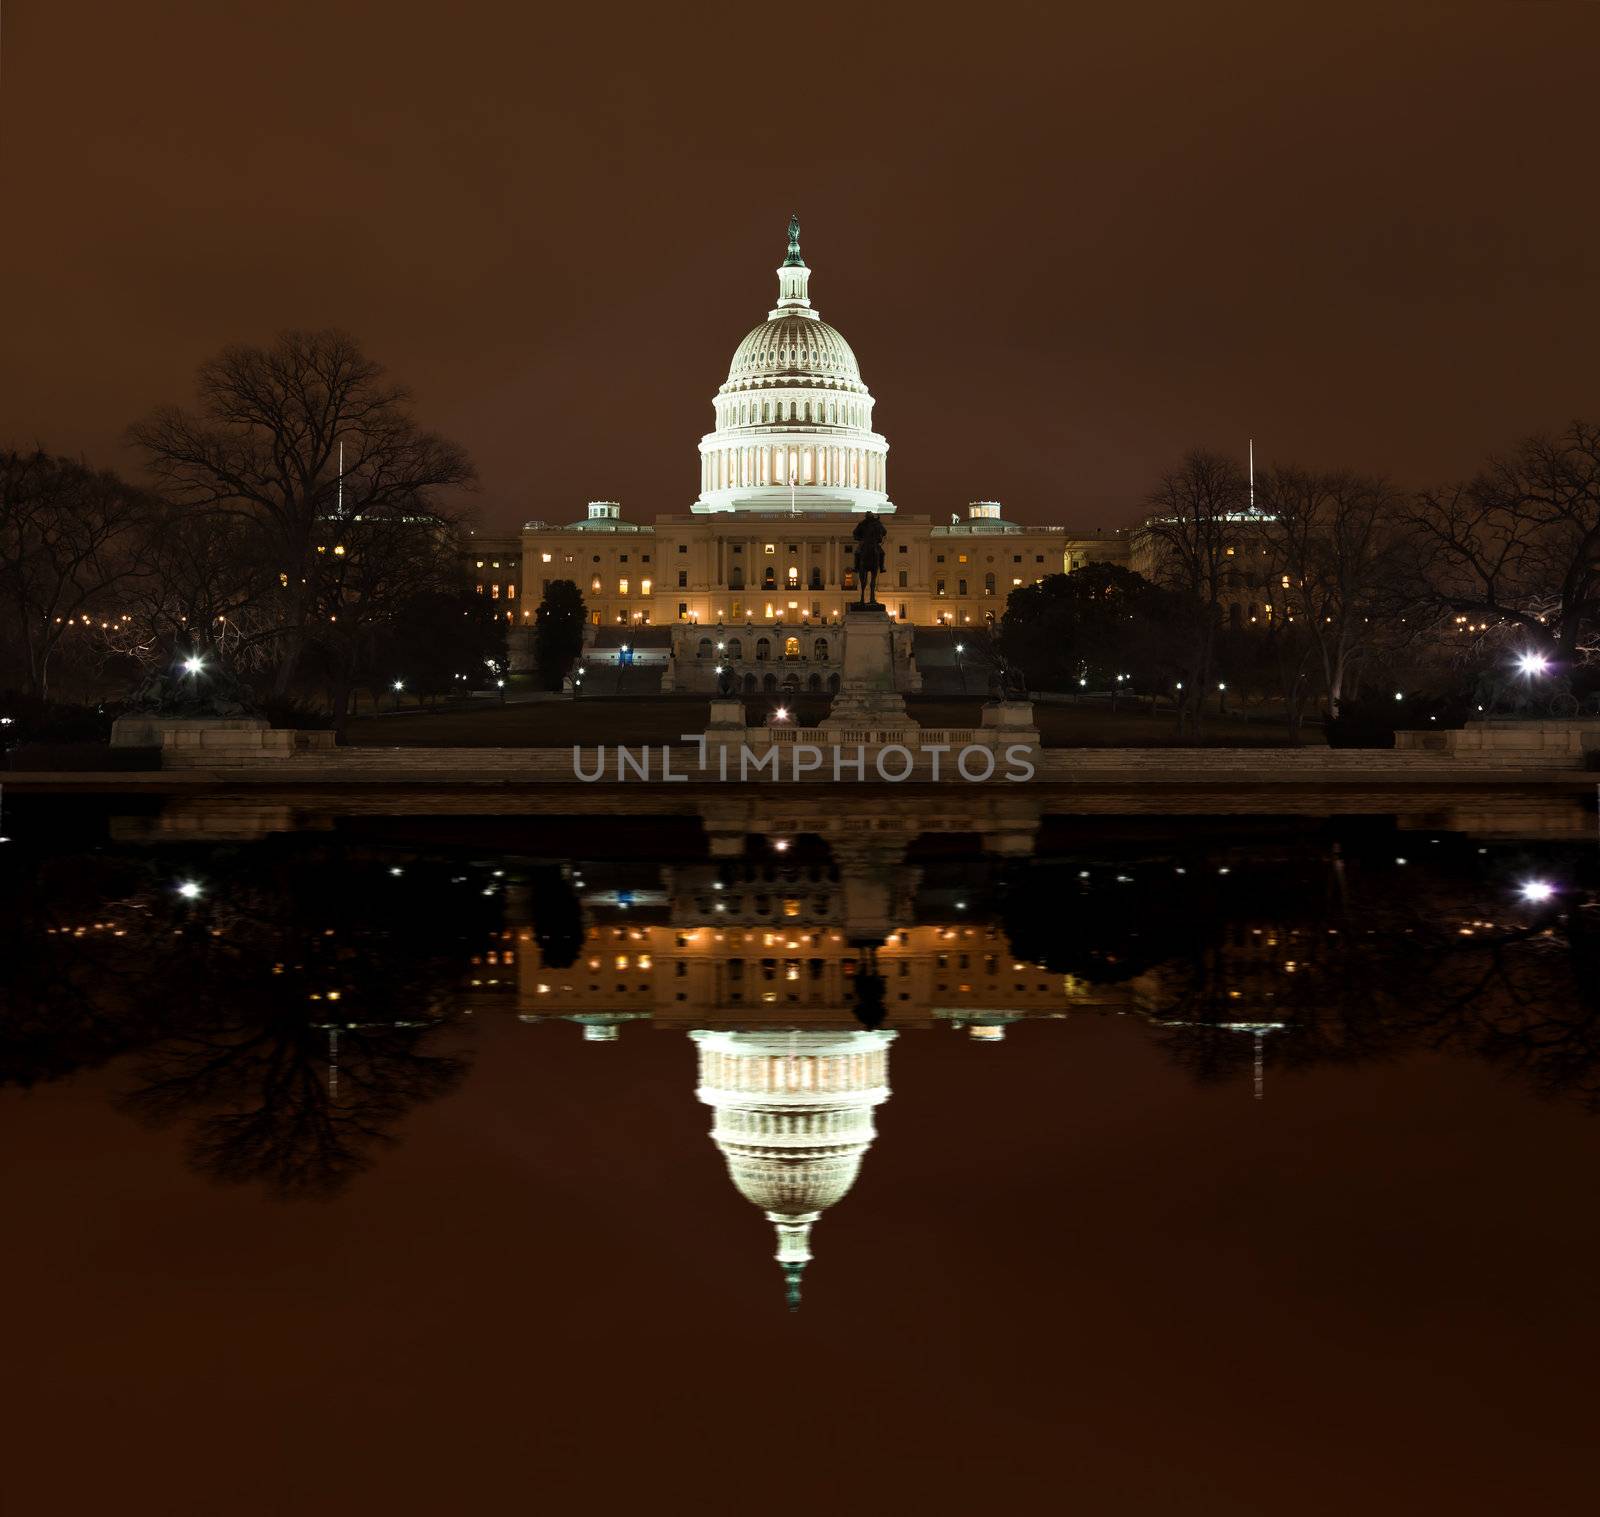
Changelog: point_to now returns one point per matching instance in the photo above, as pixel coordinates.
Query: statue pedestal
(207, 742)
(1010, 722)
(867, 696)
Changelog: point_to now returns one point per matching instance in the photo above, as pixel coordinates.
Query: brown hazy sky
(1066, 241)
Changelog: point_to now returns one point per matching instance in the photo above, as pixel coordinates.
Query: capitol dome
(793, 348)
(793, 1116)
(794, 420)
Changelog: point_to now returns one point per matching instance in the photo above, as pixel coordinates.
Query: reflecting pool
(431, 1160)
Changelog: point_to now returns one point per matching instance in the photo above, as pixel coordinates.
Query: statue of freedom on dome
(869, 536)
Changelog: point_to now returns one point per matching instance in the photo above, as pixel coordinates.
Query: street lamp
(1537, 892)
(193, 664)
(1533, 664)
(189, 889)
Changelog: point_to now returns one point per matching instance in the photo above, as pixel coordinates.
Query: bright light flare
(1533, 664)
(193, 665)
(781, 714)
(189, 889)
(1537, 892)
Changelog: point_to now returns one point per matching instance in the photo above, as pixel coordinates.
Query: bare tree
(377, 567)
(69, 541)
(1335, 542)
(203, 581)
(1520, 543)
(265, 443)
(1186, 544)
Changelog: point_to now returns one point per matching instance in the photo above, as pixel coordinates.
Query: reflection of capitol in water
(793, 1116)
(781, 969)
(784, 932)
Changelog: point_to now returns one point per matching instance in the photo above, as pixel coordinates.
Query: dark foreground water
(1220, 1166)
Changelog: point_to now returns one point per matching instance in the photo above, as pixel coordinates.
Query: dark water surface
(1222, 1165)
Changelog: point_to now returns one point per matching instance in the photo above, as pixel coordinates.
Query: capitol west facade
(764, 553)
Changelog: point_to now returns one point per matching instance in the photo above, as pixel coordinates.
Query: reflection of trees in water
(557, 915)
(232, 1000)
(264, 1108)
(1359, 959)
(83, 950)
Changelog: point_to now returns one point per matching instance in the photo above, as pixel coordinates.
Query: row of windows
(827, 412)
(961, 558)
(733, 650)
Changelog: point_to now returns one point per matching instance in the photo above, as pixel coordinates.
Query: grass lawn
(661, 718)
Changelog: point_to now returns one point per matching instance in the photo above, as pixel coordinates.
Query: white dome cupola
(794, 421)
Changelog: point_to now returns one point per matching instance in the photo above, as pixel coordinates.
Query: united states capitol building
(761, 561)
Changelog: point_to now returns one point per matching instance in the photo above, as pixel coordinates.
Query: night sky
(1065, 241)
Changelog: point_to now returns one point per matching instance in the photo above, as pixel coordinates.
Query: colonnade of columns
(754, 466)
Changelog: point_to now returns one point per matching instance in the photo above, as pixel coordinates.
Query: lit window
(544, 558)
(622, 587)
(772, 548)
(644, 587)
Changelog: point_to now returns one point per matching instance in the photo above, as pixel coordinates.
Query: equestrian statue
(869, 536)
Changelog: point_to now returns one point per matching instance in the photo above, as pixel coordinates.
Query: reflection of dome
(794, 421)
(793, 1118)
